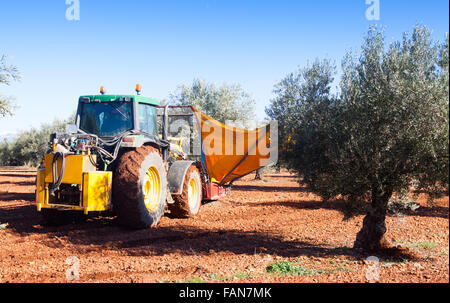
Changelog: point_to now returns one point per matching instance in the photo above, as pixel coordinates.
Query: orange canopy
(230, 152)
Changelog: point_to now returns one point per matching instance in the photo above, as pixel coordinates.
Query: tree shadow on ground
(21, 183)
(343, 207)
(17, 175)
(261, 187)
(434, 211)
(11, 196)
(338, 205)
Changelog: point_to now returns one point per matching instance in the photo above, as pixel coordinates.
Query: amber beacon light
(138, 89)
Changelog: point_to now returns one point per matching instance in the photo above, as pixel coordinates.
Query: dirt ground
(231, 240)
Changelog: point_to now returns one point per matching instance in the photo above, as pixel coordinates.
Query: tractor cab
(108, 116)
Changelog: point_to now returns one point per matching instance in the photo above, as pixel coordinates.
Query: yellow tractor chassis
(93, 187)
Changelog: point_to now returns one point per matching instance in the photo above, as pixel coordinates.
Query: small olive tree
(386, 130)
(302, 100)
(8, 73)
(224, 103)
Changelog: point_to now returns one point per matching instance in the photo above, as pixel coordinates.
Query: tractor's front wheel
(140, 188)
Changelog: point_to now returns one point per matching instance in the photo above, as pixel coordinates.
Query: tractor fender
(177, 172)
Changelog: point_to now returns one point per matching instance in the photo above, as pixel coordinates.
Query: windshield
(106, 119)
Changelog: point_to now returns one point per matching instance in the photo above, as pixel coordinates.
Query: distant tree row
(29, 147)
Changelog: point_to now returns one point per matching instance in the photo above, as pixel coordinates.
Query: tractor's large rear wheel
(188, 203)
(140, 188)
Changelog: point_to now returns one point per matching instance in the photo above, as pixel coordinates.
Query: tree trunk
(371, 236)
(278, 169)
(259, 174)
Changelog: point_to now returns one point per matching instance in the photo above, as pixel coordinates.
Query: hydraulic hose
(57, 181)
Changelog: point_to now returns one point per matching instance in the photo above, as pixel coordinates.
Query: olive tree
(301, 98)
(224, 103)
(386, 130)
(8, 73)
(395, 116)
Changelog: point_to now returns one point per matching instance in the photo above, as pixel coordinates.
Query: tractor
(130, 156)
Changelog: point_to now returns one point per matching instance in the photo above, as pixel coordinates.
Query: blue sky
(164, 44)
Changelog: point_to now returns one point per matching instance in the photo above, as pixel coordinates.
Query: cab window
(147, 119)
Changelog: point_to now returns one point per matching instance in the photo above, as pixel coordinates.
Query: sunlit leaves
(8, 73)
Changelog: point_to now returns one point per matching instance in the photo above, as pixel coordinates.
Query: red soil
(232, 240)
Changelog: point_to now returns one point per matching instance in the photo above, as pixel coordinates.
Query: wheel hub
(152, 189)
(192, 192)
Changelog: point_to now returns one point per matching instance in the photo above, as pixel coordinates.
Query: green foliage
(287, 268)
(225, 103)
(30, 146)
(301, 102)
(423, 245)
(191, 280)
(236, 276)
(8, 73)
